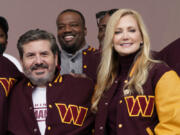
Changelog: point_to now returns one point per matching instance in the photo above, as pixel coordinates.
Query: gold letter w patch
(72, 113)
(140, 105)
(7, 84)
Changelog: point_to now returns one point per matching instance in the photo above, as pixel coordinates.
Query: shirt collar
(69, 55)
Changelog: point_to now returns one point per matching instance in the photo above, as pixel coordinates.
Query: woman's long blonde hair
(108, 68)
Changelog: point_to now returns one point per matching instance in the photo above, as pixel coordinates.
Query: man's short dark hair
(34, 35)
(101, 14)
(74, 11)
(4, 25)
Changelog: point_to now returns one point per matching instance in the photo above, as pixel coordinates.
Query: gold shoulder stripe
(58, 79)
(90, 48)
(94, 49)
(133, 68)
(29, 84)
(149, 131)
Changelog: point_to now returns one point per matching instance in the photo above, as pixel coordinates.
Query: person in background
(102, 18)
(76, 55)
(4, 28)
(170, 55)
(134, 94)
(46, 102)
(9, 75)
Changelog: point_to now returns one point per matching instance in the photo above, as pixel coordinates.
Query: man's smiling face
(71, 32)
(39, 62)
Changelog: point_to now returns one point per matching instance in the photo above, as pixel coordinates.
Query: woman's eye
(117, 32)
(132, 30)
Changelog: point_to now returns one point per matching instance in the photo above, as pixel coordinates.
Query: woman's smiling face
(127, 36)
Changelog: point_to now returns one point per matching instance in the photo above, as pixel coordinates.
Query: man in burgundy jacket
(46, 102)
(76, 55)
(9, 74)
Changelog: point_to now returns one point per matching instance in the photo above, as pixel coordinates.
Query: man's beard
(39, 81)
(70, 49)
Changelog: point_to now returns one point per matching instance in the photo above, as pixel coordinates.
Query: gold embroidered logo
(72, 114)
(7, 84)
(140, 105)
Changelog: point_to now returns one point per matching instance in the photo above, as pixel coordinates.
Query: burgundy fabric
(9, 74)
(133, 123)
(91, 58)
(125, 63)
(171, 55)
(63, 100)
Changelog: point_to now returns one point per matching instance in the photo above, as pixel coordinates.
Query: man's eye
(60, 27)
(44, 54)
(74, 25)
(101, 29)
(29, 55)
(2, 35)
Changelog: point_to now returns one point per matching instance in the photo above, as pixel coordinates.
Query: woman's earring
(141, 43)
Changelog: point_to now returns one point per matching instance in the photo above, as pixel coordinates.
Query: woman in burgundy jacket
(135, 94)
